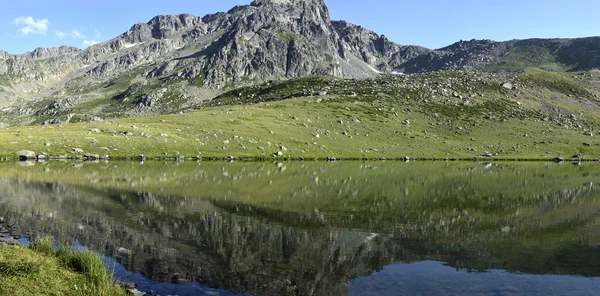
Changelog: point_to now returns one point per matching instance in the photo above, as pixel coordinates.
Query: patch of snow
(130, 45)
(399, 71)
(84, 66)
(375, 70)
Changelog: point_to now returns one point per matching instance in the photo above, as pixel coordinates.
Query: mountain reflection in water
(313, 228)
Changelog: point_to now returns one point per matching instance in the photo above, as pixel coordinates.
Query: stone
(26, 155)
(77, 150)
(124, 252)
(135, 292)
(90, 156)
(8, 241)
(507, 85)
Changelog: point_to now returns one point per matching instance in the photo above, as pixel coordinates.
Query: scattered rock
(77, 150)
(8, 241)
(135, 292)
(90, 156)
(124, 252)
(507, 85)
(26, 155)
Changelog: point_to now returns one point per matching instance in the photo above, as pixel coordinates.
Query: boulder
(8, 241)
(90, 156)
(26, 155)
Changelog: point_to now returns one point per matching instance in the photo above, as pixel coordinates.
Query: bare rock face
(265, 40)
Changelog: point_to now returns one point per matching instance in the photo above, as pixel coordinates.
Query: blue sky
(25, 25)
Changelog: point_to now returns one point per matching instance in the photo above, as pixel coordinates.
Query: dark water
(313, 228)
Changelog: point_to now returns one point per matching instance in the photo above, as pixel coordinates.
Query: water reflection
(434, 278)
(314, 228)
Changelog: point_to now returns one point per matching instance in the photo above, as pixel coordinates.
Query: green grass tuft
(42, 270)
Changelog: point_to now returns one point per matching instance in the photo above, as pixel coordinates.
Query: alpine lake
(320, 228)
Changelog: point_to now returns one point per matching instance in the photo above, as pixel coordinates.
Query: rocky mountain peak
(311, 8)
(44, 53)
(287, 2)
(164, 25)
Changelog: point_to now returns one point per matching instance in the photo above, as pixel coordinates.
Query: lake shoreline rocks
(89, 157)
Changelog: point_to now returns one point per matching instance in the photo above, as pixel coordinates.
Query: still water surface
(314, 228)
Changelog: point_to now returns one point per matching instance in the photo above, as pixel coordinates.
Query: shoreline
(299, 158)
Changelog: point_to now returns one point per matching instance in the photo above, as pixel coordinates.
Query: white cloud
(78, 35)
(30, 25)
(60, 34)
(88, 43)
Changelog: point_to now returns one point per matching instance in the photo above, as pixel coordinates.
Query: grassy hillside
(533, 114)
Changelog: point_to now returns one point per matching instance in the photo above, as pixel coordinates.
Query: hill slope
(535, 114)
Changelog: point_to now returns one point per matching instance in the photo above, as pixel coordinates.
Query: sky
(28, 24)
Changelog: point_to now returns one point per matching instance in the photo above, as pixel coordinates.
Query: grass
(42, 270)
(286, 37)
(434, 115)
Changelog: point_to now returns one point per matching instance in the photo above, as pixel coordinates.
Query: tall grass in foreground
(40, 269)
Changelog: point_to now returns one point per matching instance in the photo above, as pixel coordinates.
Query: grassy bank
(42, 270)
(530, 115)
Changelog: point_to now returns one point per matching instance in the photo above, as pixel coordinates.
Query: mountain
(174, 62)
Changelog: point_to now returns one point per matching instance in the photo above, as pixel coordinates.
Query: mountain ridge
(175, 61)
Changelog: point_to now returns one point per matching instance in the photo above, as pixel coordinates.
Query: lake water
(321, 228)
